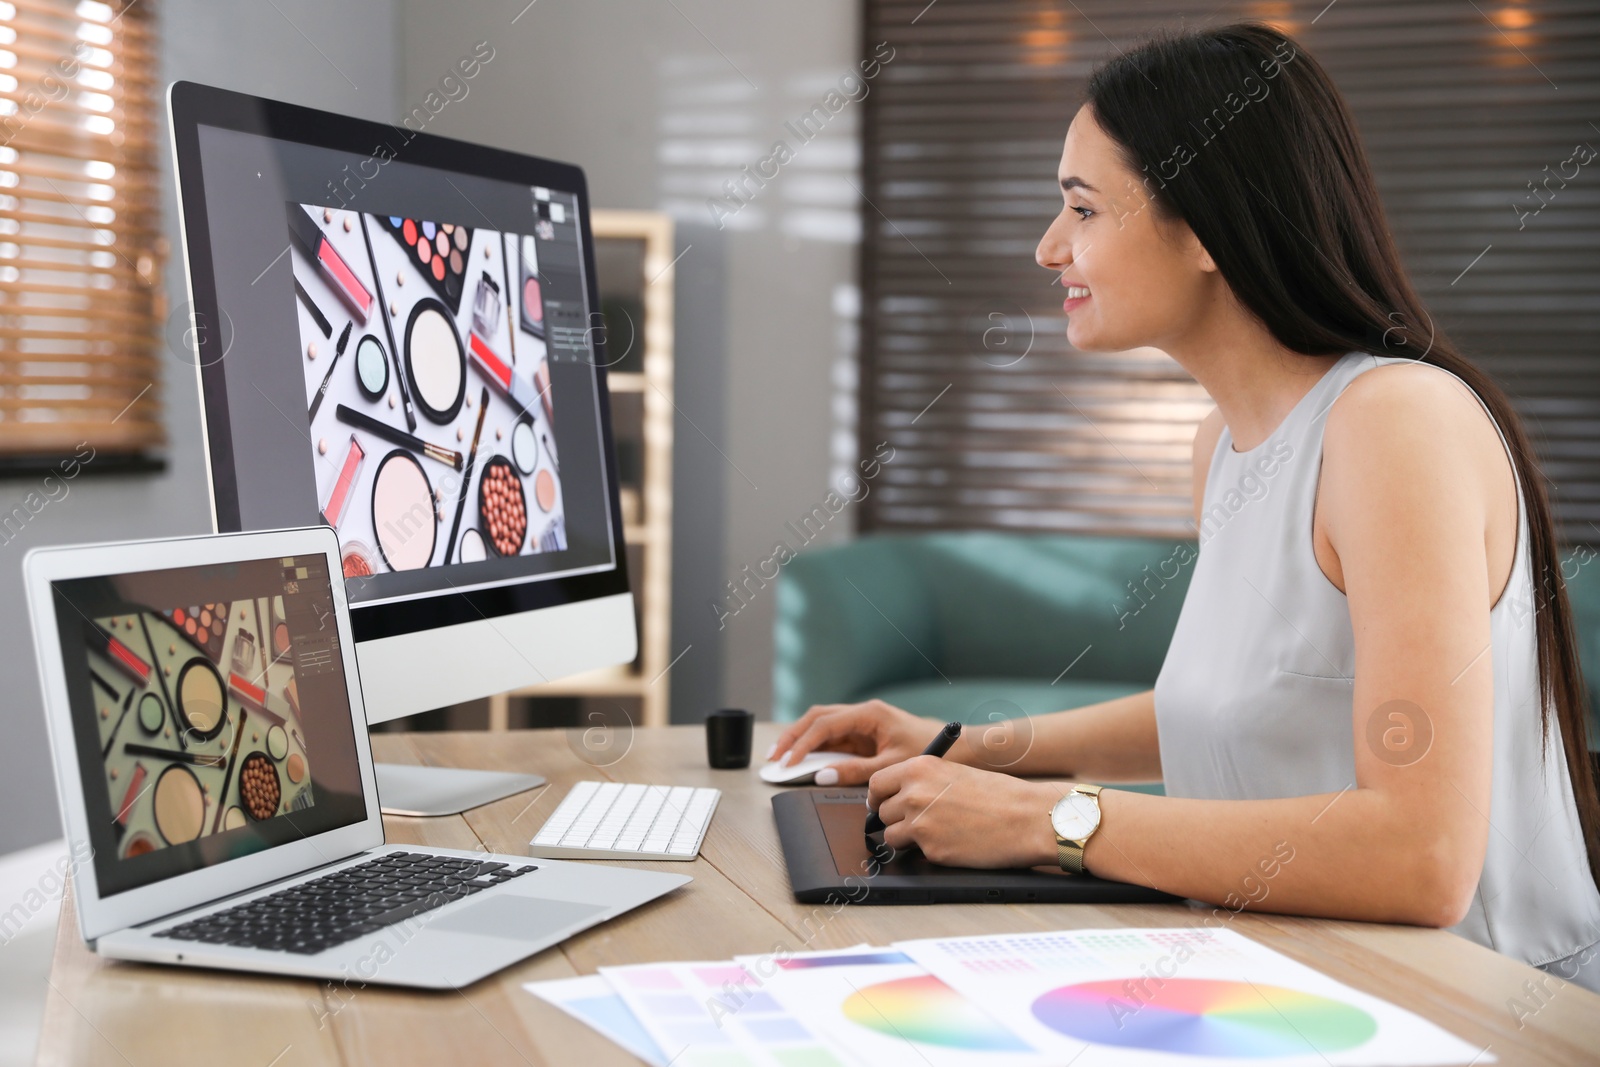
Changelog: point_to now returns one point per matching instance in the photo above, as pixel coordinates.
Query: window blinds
(80, 241)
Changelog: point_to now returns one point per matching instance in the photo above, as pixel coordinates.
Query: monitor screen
(210, 713)
(396, 340)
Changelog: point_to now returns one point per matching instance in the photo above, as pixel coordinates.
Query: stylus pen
(388, 327)
(937, 747)
(338, 350)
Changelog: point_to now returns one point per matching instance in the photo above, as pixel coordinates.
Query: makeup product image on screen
(259, 786)
(487, 304)
(191, 758)
(541, 385)
(372, 368)
(439, 251)
(466, 479)
(201, 700)
(532, 303)
(132, 794)
(402, 512)
(388, 328)
(544, 490)
(322, 390)
(436, 365)
(472, 548)
(152, 716)
(356, 559)
(315, 246)
(350, 416)
(311, 306)
(499, 372)
(180, 805)
(119, 654)
(503, 507)
(339, 499)
(524, 447)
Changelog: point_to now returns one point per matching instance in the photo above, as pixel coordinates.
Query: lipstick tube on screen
(315, 246)
(126, 659)
(339, 499)
(498, 371)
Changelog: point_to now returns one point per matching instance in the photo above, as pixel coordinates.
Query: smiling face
(1132, 278)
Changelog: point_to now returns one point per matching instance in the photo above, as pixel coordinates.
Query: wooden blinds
(1475, 117)
(80, 242)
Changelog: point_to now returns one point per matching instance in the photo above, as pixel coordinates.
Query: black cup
(728, 733)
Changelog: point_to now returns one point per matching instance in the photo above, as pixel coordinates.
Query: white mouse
(803, 772)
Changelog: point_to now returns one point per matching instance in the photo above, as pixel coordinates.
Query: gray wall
(661, 103)
(253, 48)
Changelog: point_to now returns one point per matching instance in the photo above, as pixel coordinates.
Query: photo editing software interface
(409, 360)
(210, 713)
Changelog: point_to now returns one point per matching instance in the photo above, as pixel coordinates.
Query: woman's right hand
(880, 734)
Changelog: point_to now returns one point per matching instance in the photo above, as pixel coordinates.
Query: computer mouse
(803, 772)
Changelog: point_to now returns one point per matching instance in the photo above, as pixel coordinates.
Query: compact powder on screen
(402, 512)
(180, 805)
(201, 698)
(277, 742)
(435, 361)
(280, 639)
(151, 713)
(372, 368)
(472, 547)
(295, 768)
(232, 819)
(544, 490)
(524, 447)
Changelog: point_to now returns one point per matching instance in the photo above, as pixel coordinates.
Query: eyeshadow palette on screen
(430, 420)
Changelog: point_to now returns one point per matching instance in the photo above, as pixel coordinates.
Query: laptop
(216, 784)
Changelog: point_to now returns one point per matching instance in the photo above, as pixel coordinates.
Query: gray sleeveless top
(1255, 697)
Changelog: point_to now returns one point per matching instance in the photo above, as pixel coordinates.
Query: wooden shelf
(652, 529)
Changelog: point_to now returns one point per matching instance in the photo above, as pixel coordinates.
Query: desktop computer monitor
(395, 335)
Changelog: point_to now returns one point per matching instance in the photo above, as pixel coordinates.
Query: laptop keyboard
(350, 903)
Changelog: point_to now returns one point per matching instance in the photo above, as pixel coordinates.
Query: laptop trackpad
(515, 918)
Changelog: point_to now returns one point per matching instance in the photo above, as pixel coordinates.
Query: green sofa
(978, 625)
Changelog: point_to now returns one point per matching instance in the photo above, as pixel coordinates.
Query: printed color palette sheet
(1139, 998)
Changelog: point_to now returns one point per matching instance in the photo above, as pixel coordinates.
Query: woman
(1364, 665)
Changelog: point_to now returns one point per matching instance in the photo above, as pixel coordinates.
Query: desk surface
(119, 1013)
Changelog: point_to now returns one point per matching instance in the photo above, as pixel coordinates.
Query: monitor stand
(405, 789)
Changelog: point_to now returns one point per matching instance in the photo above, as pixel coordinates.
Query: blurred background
(868, 292)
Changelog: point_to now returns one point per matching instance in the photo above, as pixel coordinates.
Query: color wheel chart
(1178, 996)
(886, 1009)
(1206, 1017)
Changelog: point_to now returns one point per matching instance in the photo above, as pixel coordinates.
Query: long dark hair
(1240, 133)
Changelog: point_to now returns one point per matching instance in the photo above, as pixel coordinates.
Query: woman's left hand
(961, 816)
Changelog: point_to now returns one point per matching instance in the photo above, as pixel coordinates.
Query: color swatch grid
(1096, 997)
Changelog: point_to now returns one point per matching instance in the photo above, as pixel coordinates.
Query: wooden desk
(119, 1013)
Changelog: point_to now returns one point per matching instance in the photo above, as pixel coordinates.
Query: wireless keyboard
(611, 820)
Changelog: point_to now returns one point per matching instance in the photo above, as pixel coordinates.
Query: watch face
(1075, 816)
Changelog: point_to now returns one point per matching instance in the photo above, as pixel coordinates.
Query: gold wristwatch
(1075, 818)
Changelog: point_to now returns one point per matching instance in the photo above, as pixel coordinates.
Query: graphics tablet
(825, 849)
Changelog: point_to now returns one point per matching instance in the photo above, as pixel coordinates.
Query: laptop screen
(210, 712)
